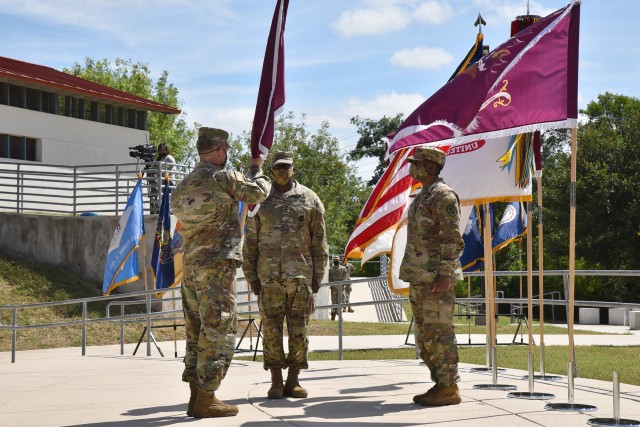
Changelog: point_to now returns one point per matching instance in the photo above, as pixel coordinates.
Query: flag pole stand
(491, 311)
(531, 394)
(571, 406)
(616, 420)
(543, 376)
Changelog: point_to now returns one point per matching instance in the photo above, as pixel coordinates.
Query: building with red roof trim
(51, 117)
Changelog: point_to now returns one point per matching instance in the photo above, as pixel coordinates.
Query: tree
(372, 141)
(135, 78)
(607, 203)
(321, 166)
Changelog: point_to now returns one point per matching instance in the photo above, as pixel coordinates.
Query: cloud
(379, 19)
(422, 57)
(432, 12)
(386, 104)
(233, 120)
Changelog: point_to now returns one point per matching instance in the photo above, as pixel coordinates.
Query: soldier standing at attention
(285, 255)
(431, 265)
(337, 273)
(206, 203)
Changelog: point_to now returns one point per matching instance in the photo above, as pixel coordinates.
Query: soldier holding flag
(206, 203)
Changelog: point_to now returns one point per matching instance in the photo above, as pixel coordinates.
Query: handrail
(168, 315)
(40, 187)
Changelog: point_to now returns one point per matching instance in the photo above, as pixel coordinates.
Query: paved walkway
(62, 388)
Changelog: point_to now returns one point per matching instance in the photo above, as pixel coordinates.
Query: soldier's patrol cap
(209, 139)
(432, 154)
(282, 158)
(336, 258)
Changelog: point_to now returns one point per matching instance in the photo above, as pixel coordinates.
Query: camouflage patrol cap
(282, 158)
(209, 139)
(432, 154)
(336, 258)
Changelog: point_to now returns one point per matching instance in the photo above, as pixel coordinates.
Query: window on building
(18, 148)
(34, 99)
(49, 102)
(15, 96)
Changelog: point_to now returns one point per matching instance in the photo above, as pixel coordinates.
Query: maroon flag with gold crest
(271, 94)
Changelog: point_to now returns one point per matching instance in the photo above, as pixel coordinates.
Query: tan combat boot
(292, 387)
(277, 387)
(418, 397)
(207, 405)
(351, 310)
(193, 387)
(442, 396)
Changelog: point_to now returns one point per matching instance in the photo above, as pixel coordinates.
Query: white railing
(85, 189)
(247, 307)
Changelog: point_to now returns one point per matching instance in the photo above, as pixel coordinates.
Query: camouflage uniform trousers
(290, 298)
(347, 293)
(211, 322)
(436, 339)
(334, 297)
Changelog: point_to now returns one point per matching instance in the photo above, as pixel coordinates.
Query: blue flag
(122, 258)
(473, 256)
(162, 267)
(512, 227)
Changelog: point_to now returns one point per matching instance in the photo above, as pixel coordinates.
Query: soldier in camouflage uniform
(206, 204)
(337, 273)
(285, 255)
(431, 265)
(347, 288)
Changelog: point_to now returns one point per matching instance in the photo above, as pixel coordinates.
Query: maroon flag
(271, 92)
(528, 83)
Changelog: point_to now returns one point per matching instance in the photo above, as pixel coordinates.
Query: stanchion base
(569, 407)
(531, 395)
(495, 387)
(487, 370)
(612, 422)
(544, 377)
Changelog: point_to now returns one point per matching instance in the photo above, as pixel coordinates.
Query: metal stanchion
(531, 394)
(570, 406)
(543, 376)
(616, 420)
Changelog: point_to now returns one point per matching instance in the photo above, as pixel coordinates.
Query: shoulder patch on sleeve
(452, 210)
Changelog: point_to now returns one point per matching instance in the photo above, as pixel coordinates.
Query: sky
(344, 58)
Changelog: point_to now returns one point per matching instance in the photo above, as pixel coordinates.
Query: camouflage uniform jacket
(206, 203)
(338, 274)
(286, 238)
(434, 244)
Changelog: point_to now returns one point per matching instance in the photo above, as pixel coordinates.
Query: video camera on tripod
(143, 152)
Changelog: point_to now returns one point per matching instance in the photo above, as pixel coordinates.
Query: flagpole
(146, 286)
(173, 302)
(530, 295)
(491, 311)
(572, 250)
(571, 405)
(468, 306)
(488, 280)
(520, 277)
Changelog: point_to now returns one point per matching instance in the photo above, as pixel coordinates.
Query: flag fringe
(506, 199)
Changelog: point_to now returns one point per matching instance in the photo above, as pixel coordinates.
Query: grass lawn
(23, 282)
(595, 362)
